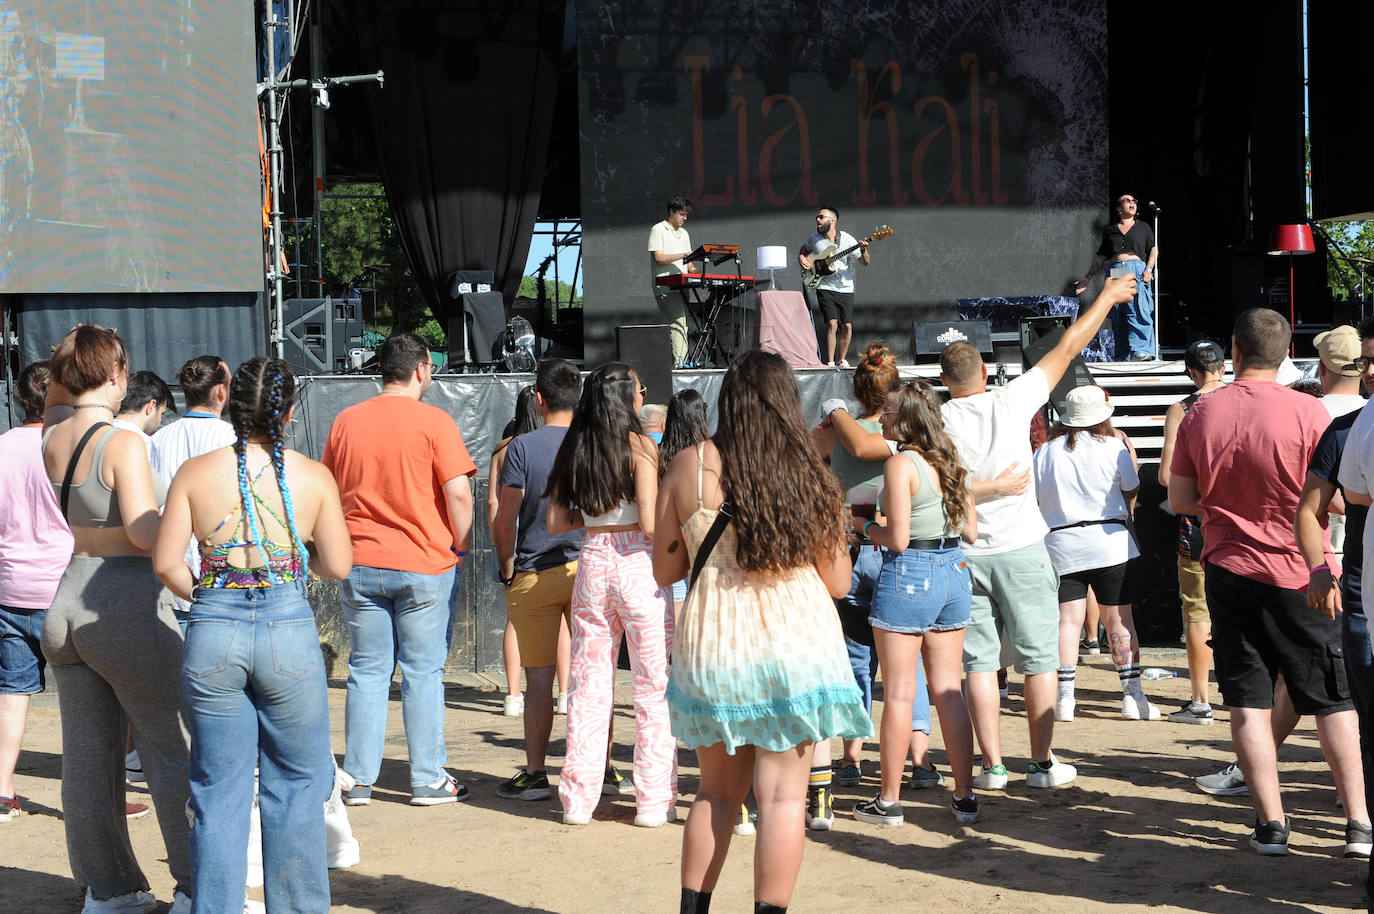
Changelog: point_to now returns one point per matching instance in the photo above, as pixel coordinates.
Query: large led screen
(976, 130)
(128, 147)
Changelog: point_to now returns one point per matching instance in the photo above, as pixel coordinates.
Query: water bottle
(1155, 672)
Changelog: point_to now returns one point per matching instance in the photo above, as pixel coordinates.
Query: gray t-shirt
(529, 459)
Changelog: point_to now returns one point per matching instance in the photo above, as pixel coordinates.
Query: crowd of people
(159, 572)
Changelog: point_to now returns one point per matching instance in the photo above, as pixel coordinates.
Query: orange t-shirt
(391, 456)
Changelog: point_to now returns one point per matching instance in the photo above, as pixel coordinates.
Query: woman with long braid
(253, 678)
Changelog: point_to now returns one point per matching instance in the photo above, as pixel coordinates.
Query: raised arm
(1081, 332)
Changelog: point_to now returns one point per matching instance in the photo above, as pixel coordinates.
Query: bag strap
(724, 515)
(71, 467)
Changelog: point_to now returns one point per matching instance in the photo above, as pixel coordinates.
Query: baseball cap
(1339, 349)
(1204, 355)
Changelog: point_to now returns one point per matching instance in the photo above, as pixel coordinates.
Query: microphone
(1154, 206)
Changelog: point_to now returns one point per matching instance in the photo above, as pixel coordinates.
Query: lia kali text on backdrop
(947, 132)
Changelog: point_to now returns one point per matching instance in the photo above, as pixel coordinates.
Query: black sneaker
(876, 812)
(616, 784)
(965, 810)
(820, 809)
(526, 786)
(1192, 712)
(1359, 839)
(1271, 838)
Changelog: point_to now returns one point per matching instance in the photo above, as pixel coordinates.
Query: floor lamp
(1290, 240)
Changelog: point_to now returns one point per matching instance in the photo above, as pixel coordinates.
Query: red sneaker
(135, 810)
(9, 808)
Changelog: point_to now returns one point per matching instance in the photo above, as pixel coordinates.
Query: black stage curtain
(461, 130)
(1342, 82)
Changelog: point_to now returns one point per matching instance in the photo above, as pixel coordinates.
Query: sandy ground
(1131, 832)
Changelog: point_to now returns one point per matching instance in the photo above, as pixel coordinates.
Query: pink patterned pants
(615, 593)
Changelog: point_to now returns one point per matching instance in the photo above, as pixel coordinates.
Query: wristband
(460, 552)
(863, 531)
(1322, 567)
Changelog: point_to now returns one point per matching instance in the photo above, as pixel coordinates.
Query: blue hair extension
(249, 509)
(279, 466)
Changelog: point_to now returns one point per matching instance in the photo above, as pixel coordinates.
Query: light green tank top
(850, 470)
(928, 519)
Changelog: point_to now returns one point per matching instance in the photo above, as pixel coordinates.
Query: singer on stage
(1130, 244)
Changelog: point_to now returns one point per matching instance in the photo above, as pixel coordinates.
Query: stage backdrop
(977, 130)
(128, 148)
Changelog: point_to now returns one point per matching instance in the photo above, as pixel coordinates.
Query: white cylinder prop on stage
(772, 257)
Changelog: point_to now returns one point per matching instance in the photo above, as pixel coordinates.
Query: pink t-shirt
(1248, 445)
(35, 544)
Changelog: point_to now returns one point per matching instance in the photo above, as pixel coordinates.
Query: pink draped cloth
(785, 328)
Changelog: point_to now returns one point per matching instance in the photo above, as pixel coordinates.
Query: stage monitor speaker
(1038, 336)
(319, 332)
(648, 349)
(929, 338)
(461, 282)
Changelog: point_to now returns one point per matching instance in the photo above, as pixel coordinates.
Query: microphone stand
(1155, 284)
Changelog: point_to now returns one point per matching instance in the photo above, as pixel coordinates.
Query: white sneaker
(1063, 708)
(654, 820)
(253, 907)
(1133, 708)
(514, 706)
(844, 363)
(342, 848)
(1057, 774)
(561, 707)
(577, 818)
(994, 778)
(132, 903)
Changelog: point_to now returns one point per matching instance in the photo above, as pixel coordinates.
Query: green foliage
(432, 333)
(1352, 240)
(567, 295)
(359, 232)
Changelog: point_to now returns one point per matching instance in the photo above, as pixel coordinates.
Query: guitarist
(835, 294)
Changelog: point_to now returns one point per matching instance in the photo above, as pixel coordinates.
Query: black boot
(763, 907)
(695, 902)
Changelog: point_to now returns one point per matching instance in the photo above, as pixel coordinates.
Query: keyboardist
(668, 242)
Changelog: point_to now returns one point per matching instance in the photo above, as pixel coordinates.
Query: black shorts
(835, 306)
(1260, 631)
(1108, 584)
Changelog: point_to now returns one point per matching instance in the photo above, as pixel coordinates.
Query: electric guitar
(823, 261)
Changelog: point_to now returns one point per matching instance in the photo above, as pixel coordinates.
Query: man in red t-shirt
(1240, 461)
(403, 474)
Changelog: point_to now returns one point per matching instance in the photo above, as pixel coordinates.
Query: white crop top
(623, 514)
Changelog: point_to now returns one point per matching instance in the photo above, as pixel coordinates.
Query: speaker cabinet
(319, 332)
(1038, 336)
(929, 338)
(648, 349)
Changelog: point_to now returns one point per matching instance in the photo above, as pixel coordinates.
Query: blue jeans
(396, 616)
(863, 660)
(1133, 323)
(254, 684)
(21, 654)
(1359, 673)
(922, 590)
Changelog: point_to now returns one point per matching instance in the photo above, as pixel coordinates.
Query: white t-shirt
(1340, 404)
(1357, 476)
(991, 431)
(190, 436)
(842, 280)
(130, 427)
(663, 237)
(1085, 484)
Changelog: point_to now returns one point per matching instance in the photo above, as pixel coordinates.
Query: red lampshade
(1291, 239)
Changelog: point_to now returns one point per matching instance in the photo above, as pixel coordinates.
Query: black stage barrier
(482, 404)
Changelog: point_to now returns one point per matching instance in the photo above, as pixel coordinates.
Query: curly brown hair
(788, 506)
(919, 427)
(874, 377)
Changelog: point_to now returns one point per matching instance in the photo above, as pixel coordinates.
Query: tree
(1351, 241)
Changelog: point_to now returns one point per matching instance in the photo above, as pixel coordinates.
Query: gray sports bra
(91, 503)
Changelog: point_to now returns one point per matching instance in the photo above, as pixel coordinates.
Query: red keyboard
(695, 280)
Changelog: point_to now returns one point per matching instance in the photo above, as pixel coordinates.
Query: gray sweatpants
(115, 654)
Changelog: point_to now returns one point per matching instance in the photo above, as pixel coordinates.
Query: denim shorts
(21, 655)
(921, 590)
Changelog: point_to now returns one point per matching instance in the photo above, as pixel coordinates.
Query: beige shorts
(535, 602)
(1192, 591)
